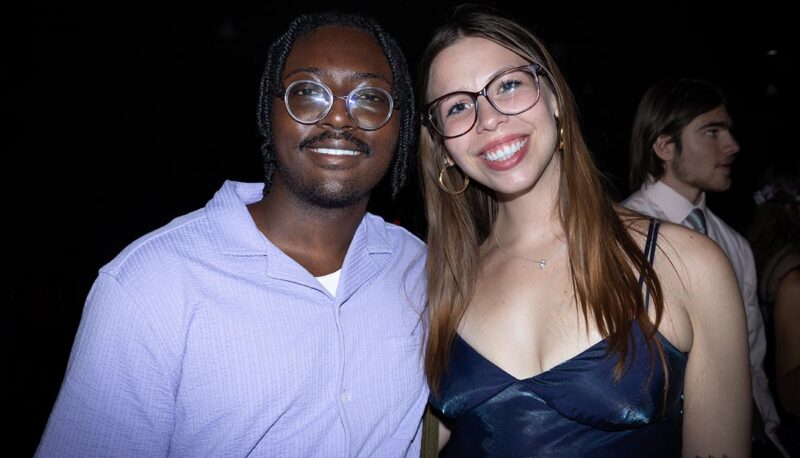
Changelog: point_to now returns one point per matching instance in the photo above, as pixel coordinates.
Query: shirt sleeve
(758, 344)
(117, 397)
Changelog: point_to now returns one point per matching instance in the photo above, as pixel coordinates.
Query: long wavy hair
(605, 261)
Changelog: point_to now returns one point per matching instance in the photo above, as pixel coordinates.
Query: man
(279, 320)
(682, 147)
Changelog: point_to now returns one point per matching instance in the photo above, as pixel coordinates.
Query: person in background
(561, 324)
(682, 147)
(282, 319)
(775, 236)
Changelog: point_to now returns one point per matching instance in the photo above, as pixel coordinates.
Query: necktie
(697, 219)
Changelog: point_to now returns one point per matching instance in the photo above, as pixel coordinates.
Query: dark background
(121, 116)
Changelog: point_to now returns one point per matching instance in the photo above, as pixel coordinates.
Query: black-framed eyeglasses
(308, 102)
(511, 92)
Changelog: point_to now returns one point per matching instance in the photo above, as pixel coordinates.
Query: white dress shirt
(658, 200)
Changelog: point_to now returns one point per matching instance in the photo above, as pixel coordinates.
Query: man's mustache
(346, 136)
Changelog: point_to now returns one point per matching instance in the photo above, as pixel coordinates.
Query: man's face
(333, 163)
(707, 151)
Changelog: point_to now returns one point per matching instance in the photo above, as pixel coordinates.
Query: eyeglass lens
(509, 93)
(309, 101)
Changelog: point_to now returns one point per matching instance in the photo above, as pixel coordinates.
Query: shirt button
(345, 396)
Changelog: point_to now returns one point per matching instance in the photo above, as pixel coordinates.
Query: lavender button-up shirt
(204, 339)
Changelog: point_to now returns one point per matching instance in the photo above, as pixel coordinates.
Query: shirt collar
(673, 204)
(231, 224)
(237, 233)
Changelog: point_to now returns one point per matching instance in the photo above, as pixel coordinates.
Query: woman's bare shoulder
(685, 260)
(699, 274)
(675, 240)
(790, 283)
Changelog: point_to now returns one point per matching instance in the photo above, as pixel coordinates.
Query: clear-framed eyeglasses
(308, 102)
(511, 92)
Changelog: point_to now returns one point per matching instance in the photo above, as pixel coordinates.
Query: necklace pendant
(542, 262)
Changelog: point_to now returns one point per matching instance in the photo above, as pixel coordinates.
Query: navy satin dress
(575, 409)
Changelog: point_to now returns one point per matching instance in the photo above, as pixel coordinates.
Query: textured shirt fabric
(204, 339)
(658, 200)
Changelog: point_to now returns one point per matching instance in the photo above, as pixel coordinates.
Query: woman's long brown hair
(605, 261)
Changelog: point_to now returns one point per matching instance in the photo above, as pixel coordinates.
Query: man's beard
(322, 194)
(708, 182)
(331, 194)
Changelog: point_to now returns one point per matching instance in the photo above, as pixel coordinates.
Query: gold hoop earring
(560, 134)
(447, 165)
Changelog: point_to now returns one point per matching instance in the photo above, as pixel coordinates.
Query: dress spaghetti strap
(650, 252)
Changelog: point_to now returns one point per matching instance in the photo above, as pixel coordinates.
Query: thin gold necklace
(542, 262)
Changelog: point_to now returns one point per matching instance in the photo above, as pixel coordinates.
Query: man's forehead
(718, 116)
(335, 37)
(338, 47)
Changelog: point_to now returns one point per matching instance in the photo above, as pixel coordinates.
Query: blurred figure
(775, 236)
(681, 148)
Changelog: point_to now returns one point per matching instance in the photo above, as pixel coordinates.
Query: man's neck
(691, 193)
(316, 238)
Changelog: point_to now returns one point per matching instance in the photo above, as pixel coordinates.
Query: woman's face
(507, 153)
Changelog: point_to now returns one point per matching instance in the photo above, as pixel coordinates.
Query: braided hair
(402, 92)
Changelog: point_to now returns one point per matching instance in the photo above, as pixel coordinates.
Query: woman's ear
(555, 107)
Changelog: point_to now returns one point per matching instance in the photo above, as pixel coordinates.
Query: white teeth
(335, 152)
(505, 152)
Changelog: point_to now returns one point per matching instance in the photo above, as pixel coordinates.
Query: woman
(542, 340)
(775, 236)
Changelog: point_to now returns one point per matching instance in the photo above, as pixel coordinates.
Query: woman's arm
(444, 435)
(434, 434)
(787, 341)
(717, 394)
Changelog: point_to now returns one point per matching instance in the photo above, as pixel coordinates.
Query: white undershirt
(330, 281)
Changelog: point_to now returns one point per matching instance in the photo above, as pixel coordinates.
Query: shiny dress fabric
(576, 409)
